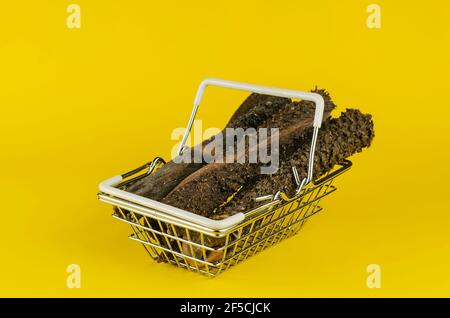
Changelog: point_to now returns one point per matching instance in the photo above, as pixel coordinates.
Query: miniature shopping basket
(210, 246)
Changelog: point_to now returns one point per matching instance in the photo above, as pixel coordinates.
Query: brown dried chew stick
(254, 111)
(338, 139)
(204, 190)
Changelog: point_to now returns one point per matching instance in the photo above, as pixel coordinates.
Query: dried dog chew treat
(338, 139)
(254, 111)
(204, 190)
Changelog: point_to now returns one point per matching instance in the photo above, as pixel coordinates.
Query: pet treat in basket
(210, 214)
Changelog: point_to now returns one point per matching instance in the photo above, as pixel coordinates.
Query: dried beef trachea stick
(338, 139)
(207, 188)
(254, 111)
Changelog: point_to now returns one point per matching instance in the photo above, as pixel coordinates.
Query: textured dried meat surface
(338, 139)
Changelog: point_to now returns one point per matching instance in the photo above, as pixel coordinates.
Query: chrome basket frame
(211, 246)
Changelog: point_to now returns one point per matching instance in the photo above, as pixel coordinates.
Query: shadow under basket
(209, 251)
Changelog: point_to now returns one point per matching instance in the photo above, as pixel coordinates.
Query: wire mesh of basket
(209, 246)
(212, 252)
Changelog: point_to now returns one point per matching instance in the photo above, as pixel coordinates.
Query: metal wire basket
(209, 246)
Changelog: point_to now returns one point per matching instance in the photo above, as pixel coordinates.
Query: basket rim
(110, 193)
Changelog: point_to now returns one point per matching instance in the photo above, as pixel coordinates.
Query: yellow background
(81, 105)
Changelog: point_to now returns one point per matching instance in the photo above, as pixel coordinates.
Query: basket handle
(280, 92)
(317, 99)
